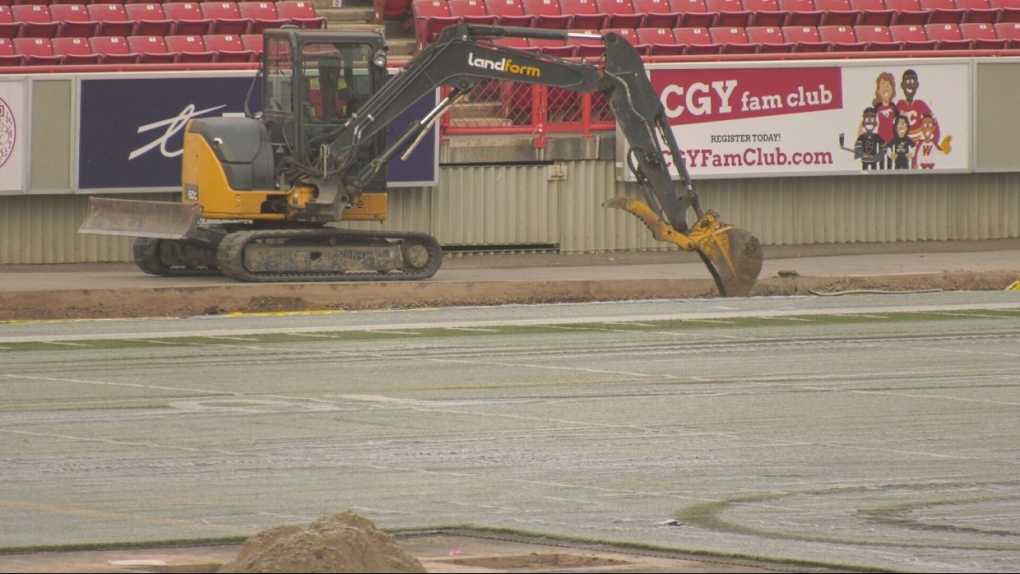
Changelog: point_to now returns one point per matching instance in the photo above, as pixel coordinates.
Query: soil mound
(342, 542)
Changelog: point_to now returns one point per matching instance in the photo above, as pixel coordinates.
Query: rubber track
(231, 255)
(146, 251)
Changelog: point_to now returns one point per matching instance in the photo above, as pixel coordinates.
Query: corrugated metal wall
(561, 204)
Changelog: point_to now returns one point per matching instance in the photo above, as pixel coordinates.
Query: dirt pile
(342, 542)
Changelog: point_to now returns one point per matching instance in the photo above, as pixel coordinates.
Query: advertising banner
(131, 133)
(876, 117)
(13, 128)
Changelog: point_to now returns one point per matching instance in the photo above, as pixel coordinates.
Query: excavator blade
(733, 256)
(134, 218)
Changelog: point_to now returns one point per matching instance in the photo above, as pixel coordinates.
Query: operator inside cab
(329, 93)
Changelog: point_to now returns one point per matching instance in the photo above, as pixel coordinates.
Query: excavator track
(328, 254)
(174, 258)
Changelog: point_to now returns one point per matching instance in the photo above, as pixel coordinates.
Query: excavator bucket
(733, 256)
(133, 218)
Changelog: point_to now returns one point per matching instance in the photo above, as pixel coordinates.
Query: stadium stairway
(360, 15)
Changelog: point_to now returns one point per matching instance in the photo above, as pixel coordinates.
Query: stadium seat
(733, 40)
(37, 51)
(841, 38)
(8, 57)
(253, 42)
(586, 15)
(263, 16)
(471, 12)
(907, 12)
(226, 18)
(630, 35)
(509, 13)
(620, 14)
(801, 13)
(805, 39)
(514, 43)
(590, 47)
(112, 18)
(1009, 31)
(729, 13)
(189, 49)
(766, 13)
(36, 20)
(151, 50)
(697, 41)
(912, 37)
(769, 39)
(300, 13)
(877, 38)
(547, 14)
(943, 11)
(978, 11)
(228, 48)
(1009, 10)
(982, 36)
(660, 41)
(695, 14)
(947, 36)
(113, 50)
(838, 12)
(553, 47)
(429, 18)
(188, 18)
(658, 14)
(8, 27)
(74, 51)
(149, 19)
(75, 21)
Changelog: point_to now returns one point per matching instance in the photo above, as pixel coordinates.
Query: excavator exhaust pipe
(733, 255)
(134, 218)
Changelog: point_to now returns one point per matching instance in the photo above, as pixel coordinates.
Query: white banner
(13, 129)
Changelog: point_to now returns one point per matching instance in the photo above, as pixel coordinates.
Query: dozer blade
(133, 218)
(733, 256)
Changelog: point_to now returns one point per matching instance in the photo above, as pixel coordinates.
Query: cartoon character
(901, 147)
(885, 93)
(869, 147)
(929, 144)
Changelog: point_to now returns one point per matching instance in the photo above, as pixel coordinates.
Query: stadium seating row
(153, 19)
(429, 17)
(775, 39)
(211, 48)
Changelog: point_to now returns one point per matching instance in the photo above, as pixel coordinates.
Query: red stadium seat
(770, 39)
(471, 12)
(839, 12)
(37, 51)
(75, 21)
(947, 36)
(620, 14)
(801, 13)
(8, 27)
(430, 17)
(877, 38)
(551, 47)
(943, 11)
(113, 50)
(908, 12)
(151, 50)
(733, 40)
(697, 41)
(253, 42)
(188, 18)
(805, 39)
(8, 57)
(228, 48)
(37, 21)
(189, 49)
(226, 18)
(1009, 31)
(1009, 10)
(658, 13)
(300, 13)
(509, 13)
(263, 16)
(695, 14)
(729, 13)
(591, 47)
(978, 11)
(547, 14)
(630, 35)
(514, 43)
(982, 36)
(74, 51)
(841, 38)
(586, 14)
(660, 41)
(149, 19)
(766, 13)
(112, 18)
(912, 37)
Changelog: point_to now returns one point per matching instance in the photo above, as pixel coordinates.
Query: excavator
(261, 194)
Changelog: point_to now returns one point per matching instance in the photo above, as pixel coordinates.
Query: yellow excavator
(259, 192)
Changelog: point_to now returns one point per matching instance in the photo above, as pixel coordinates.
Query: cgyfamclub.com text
(755, 157)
